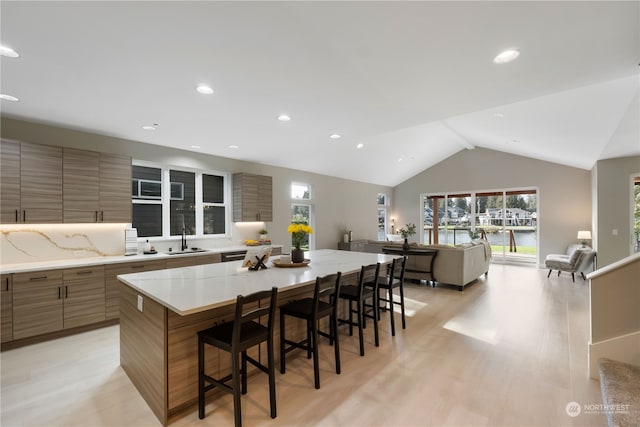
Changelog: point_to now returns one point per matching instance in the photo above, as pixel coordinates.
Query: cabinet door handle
(96, 216)
(135, 267)
(7, 280)
(66, 292)
(101, 216)
(59, 292)
(17, 216)
(32, 279)
(79, 273)
(24, 215)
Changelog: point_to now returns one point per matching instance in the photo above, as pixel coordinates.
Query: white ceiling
(409, 80)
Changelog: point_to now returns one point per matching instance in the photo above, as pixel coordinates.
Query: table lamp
(584, 235)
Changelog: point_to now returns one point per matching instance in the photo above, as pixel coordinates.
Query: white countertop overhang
(189, 290)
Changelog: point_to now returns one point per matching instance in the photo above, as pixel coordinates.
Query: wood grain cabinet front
(10, 210)
(40, 183)
(84, 296)
(97, 187)
(6, 313)
(80, 185)
(252, 197)
(37, 303)
(112, 300)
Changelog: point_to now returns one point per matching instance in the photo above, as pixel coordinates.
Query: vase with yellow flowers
(298, 234)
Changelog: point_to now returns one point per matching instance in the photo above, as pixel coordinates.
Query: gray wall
(564, 193)
(338, 203)
(613, 204)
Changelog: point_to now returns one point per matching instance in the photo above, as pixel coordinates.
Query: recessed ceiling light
(360, 145)
(8, 52)
(399, 159)
(195, 146)
(149, 127)
(8, 97)
(506, 56)
(335, 136)
(500, 115)
(204, 89)
(284, 118)
(233, 147)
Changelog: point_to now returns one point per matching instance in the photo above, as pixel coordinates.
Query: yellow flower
(298, 232)
(300, 228)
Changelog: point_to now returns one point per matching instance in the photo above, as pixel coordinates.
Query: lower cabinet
(51, 300)
(112, 271)
(37, 303)
(84, 296)
(41, 302)
(6, 309)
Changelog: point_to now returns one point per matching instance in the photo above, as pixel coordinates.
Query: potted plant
(298, 234)
(264, 233)
(407, 232)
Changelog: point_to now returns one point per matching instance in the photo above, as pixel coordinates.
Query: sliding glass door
(508, 219)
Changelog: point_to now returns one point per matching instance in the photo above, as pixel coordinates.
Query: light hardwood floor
(511, 350)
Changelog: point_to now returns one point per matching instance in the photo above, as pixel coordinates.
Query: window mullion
(199, 206)
(166, 202)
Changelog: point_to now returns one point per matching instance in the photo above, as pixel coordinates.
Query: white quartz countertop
(189, 290)
(85, 262)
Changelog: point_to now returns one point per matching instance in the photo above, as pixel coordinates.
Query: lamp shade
(584, 235)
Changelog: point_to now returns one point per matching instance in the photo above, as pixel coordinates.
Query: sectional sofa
(457, 265)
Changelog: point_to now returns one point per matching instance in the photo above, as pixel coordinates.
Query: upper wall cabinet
(115, 188)
(252, 197)
(81, 185)
(48, 184)
(31, 183)
(40, 183)
(10, 210)
(97, 187)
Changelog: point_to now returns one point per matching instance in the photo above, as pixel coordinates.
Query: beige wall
(337, 202)
(614, 207)
(564, 202)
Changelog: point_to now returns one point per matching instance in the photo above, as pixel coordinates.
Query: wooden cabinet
(51, 300)
(37, 303)
(112, 296)
(48, 184)
(208, 259)
(84, 296)
(81, 196)
(115, 188)
(181, 261)
(40, 183)
(10, 211)
(252, 197)
(6, 313)
(97, 187)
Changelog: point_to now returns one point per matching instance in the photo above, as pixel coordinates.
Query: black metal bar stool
(366, 289)
(236, 337)
(393, 279)
(324, 303)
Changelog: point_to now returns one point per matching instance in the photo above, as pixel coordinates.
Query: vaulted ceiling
(410, 83)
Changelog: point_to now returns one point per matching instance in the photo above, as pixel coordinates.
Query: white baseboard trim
(625, 348)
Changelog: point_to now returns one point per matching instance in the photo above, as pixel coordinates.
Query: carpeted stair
(620, 384)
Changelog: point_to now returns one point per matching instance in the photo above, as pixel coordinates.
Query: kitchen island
(162, 311)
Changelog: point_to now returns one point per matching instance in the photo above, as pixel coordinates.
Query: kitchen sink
(188, 251)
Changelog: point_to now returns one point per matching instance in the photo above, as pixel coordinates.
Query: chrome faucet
(183, 241)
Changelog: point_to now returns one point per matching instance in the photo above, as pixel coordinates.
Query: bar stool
(324, 303)
(393, 279)
(236, 337)
(366, 289)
